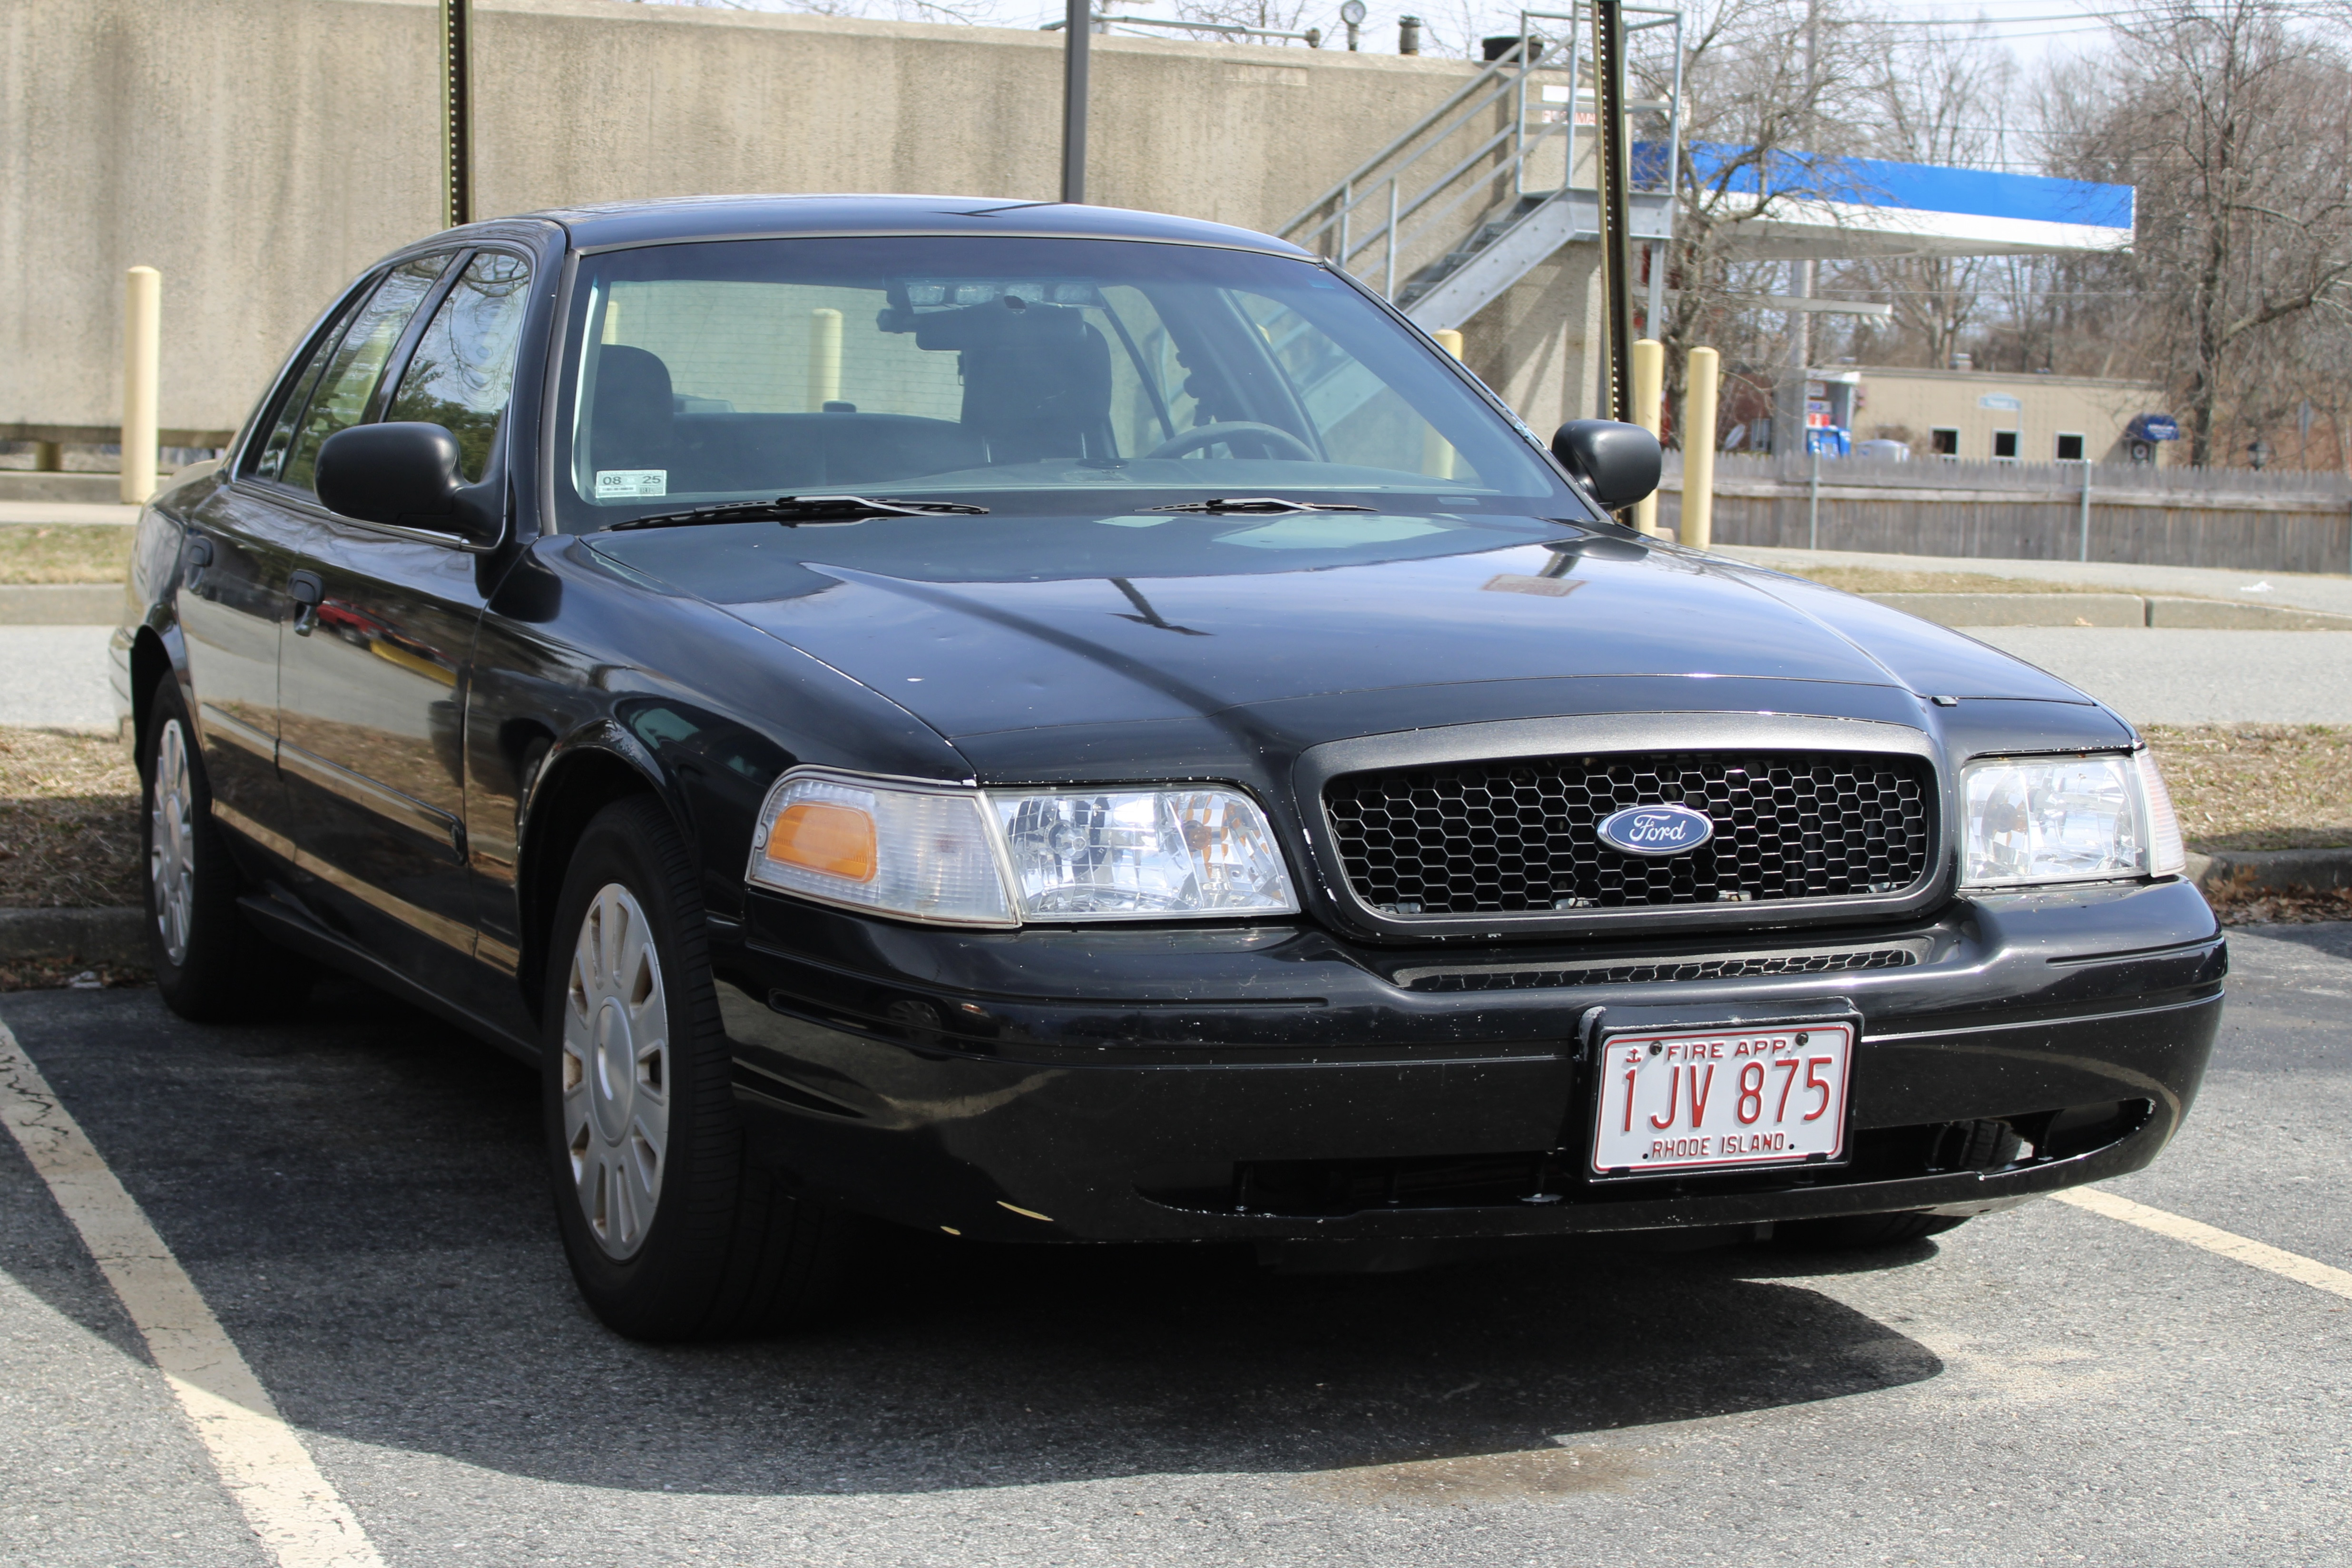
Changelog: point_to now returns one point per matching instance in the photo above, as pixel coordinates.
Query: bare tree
(1942, 98)
(2234, 124)
(1769, 102)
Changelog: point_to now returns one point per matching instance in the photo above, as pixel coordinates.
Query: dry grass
(64, 553)
(2257, 786)
(68, 974)
(2239, 905)
(69, 822)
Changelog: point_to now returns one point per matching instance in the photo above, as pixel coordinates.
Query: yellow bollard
(825, 358)
(1698, 450)
(1649, 398)
(1436, 451)
(143, 318)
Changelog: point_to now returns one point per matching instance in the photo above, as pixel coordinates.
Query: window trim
(395, 364)
(2016, 441)
(1954, 432)
(2080, 457)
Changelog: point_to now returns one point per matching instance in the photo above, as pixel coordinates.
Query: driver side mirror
(409, 475)
(1618, 463)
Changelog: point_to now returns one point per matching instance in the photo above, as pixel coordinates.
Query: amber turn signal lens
(824, 836)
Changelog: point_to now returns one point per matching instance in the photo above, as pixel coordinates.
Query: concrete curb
(88, 936)
(2273, 871)
(2020, 609)
(2108, 610)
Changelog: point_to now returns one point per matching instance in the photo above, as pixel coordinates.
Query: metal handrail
(1399, 222)
(1364, 169)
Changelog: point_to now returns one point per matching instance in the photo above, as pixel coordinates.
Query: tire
(1964, 1146)
(210, 963)
(672, 1232)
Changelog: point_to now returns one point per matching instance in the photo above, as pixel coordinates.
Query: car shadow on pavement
(360, 1198)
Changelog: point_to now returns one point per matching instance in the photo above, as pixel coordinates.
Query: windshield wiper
(803, 509)
(1260, 506)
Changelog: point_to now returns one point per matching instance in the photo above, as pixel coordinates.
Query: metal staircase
(1498, 178)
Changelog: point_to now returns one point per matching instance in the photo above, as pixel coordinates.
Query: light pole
(1077, 38)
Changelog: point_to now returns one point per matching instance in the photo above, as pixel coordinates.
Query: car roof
(621, 224)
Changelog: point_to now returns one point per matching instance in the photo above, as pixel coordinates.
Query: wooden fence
(2257, 521)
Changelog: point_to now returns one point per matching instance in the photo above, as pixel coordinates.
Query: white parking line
(301, 1521)
(2260, 1255)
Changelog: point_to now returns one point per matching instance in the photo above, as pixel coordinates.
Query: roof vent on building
(1963, 361)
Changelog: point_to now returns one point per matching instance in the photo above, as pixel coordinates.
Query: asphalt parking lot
(355, 1195)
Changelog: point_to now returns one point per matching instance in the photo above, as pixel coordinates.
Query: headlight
(1141, 854)
(2066, 819)
(898, 849)
(968, 857)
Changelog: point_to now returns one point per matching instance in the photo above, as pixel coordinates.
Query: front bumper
(1273, 1082)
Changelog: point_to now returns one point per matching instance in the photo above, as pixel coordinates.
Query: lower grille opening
(1327, 1189)
(1656, 971)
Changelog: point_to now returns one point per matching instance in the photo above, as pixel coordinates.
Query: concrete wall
(260, 152)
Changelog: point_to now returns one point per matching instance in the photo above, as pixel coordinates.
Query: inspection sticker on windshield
(631, 484)
(1749, 1096)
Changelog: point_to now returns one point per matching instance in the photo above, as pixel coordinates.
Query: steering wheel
(1270, 436)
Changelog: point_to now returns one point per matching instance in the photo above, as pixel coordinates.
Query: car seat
(1037, 378)
(632, 422)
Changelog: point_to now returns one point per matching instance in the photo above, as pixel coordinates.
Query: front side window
(909, 366)
(464, 366)
(302, 382)
(340, 398)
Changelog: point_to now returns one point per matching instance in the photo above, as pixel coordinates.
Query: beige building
(1982, 415)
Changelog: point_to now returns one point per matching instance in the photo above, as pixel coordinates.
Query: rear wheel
(671, 1231)
(210, 963)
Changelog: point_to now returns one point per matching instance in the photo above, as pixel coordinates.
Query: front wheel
(672, 1232)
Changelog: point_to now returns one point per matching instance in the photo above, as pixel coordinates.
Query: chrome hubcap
(170, 842)
(616, 1071)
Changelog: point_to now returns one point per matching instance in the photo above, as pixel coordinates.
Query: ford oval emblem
(1656, 829)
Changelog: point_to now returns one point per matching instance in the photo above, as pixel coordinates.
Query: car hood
(997, 631)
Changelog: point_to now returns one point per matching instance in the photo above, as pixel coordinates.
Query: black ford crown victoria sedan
(1040, 722)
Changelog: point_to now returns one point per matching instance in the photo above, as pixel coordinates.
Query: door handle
(200, 555)
(306, 589)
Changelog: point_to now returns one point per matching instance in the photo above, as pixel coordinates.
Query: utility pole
(457, 112)
(1792, 400)
(1077, 41)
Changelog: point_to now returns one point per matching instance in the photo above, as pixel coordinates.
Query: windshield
(1107, 372)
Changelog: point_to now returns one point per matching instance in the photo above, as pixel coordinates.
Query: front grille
(1511, 838)
(1656, 971)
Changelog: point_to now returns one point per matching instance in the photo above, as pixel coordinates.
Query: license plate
(1686, 1100)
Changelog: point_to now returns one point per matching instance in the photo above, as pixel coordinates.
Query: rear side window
(463, 369)
(341, 397)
